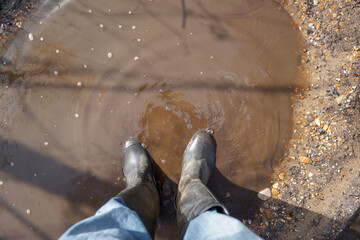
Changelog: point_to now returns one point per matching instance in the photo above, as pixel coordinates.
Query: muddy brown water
(100, 72)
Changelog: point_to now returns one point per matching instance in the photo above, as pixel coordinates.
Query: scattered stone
(282, 176)
(305, 160)
(109, 55)
(310, 118)
(1, 183)
(28, 211)
(317, 122)
(340, 99)
(321, 131)
(274, 191)
(265, 194)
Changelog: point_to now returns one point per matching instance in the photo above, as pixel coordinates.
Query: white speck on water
(130, 12)
(163, 161)
(101, 25)
(41, 39)
(120, 26)
(77, 115)
(46, 143)
(57, 50)
(31, 36)
(56, 72)
(109, 55)
(28, 211)
(1, 183)
(90, 11)
(79, 84)
(139, 40)
(133, 27)
(85, 66)
(136, 58)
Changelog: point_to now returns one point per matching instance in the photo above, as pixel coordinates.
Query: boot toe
(202, 146)
(131, 142)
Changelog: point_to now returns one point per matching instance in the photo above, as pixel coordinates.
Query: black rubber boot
(193, 197)
(141, 194)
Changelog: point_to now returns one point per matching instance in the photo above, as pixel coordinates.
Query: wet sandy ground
(82, 77)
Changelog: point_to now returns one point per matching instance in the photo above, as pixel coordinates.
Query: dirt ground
(315, 189)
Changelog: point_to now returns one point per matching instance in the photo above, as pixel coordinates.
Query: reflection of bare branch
(184, 13)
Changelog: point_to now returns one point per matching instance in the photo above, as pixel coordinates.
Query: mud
(82, 77)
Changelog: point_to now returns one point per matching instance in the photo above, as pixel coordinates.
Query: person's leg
(133, 213)
(193, 197)
(200, 215)
(213, 225)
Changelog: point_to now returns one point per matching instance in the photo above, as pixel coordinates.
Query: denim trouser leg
(213, 225)
(114, 220)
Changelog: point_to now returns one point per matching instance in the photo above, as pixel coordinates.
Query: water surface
(97, 73)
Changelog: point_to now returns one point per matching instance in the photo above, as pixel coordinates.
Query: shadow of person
(19, 163)
(35, 170)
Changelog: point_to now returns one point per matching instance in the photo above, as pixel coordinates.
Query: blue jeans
(115, 220)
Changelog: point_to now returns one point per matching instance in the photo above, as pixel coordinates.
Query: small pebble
(101, 25)
(46, 143)
(90, 11)
(130, 12)
(28, 211)
(136, 58)
(85, 66)
(120, 26)
(56, 72)
(139, 40)
(1, 183)
(163, 161)
(41, 39)
(31, 36)
(77, 115)
(133, 27)
(79, 84)
(57, 50)
(310, 118)
(321, 131)
(265, 194)
(109, 55)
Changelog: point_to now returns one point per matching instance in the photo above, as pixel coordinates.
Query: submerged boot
(193, 197)
(141, 194)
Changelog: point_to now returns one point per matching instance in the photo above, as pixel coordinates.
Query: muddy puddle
(83, 76)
